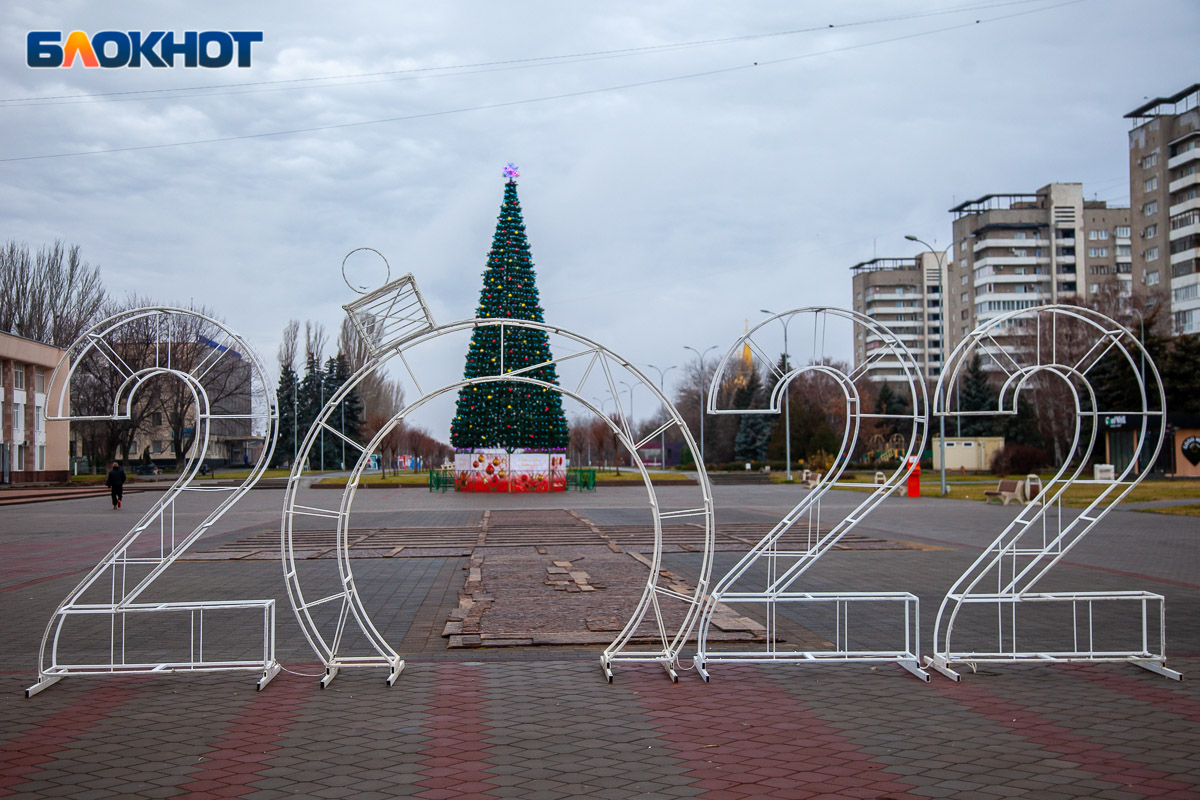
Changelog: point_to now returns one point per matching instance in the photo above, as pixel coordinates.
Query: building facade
(31, 448)
(1016, 251)
(903, 295)
(1164, 192)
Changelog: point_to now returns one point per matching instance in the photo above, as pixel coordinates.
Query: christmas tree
(504, 414)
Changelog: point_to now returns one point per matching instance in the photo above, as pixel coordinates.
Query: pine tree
(754, 430)
(347, 418)
(287, 416)
(507, 414)
(976, 394)
(310, 400)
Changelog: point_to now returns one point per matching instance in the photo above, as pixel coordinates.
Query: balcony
(1184, 182)
(1184, 158)
(983, 244)
(1010, 261)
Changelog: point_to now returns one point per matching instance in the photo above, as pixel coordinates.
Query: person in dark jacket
(116, 483)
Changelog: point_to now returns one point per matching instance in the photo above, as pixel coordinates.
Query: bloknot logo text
(115, 49)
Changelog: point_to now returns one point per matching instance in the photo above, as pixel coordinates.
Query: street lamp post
(602, 402)
(632, 419)
(941, 346)
(787, 400)
(702, 376)
(662, 373)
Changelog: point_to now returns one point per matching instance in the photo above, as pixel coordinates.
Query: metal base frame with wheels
(1054, 348)
(786, 560)
(395, 323)
(137, 352)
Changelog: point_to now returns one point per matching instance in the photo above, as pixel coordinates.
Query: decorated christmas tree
(507, 415)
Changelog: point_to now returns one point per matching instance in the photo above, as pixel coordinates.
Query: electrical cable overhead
(544, 98)
(455, 70)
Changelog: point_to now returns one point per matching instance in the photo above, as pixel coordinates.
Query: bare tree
(287, 348)
(52, 296)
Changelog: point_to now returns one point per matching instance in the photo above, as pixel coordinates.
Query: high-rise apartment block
(902, 294)
(1016, 251)
(1164, 192)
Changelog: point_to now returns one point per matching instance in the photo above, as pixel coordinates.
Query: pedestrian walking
(116, 484)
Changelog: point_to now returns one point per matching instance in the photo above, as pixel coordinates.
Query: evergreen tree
(754, 430)
(507, 414)
(890, 403)
(287, 417)
(310, 399)
(1180, 371)
(346, 418)
(976, 394)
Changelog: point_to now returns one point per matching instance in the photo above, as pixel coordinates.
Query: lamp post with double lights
(662, 374)
(787, 400)
(941, 345)
(703, 375)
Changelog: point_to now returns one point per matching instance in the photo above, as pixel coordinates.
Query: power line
(532, 100)
(417, 73)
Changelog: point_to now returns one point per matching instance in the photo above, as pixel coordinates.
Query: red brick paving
(244, 750)
(1108, 763)
(457, 738)
(21, 756)
(786, 752)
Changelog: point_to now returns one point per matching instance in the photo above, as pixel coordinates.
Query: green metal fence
(581, 478)
(441, 479)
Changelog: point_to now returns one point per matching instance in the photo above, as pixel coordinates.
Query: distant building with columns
(31, 449)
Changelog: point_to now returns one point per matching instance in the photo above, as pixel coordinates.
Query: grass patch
(1181, 511)
(403, 479)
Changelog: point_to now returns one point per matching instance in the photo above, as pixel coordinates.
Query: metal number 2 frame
(785, 566)
(1063, 344)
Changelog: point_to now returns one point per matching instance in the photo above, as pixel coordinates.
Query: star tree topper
(510, 171)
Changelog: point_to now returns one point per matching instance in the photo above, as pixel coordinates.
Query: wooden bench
(1004, 492)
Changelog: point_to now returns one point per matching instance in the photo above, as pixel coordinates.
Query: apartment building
(901, 294)
(1016, 251)
(1164, 191)
(31, 449)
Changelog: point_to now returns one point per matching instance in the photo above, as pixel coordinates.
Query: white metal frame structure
(785, 567)
(112, 589)
(398, 325)
(1064, 344)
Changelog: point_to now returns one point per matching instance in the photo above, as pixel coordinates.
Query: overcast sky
(669, 195)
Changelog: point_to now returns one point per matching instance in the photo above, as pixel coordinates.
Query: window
(37, 418)
(968, 444)
(1189, 292)
(1150, 232)
(1102, 235)
(965, 297)
(18, 416)
(1124, 250)
(1151, 183)
(1097, 252)
(156, 419)
(1184, 147)
(1150, 253)
(20, 458)
(41, 458)
(1123, 232)
(1092, 235)
(964, 280)
(1150, 209)
(19, 377)
(1152, 278)
(1150, 160)
(39, 380)
(1019, 235)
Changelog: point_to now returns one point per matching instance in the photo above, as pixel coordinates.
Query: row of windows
(1186, 218)
(39, 378)
(1097, 252)
(1189, 292)
(1184, 147)
(1003, 305)
(19, 458)
(19, 417)
(1150, 160)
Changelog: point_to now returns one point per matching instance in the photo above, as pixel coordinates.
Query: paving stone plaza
(501, 606)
